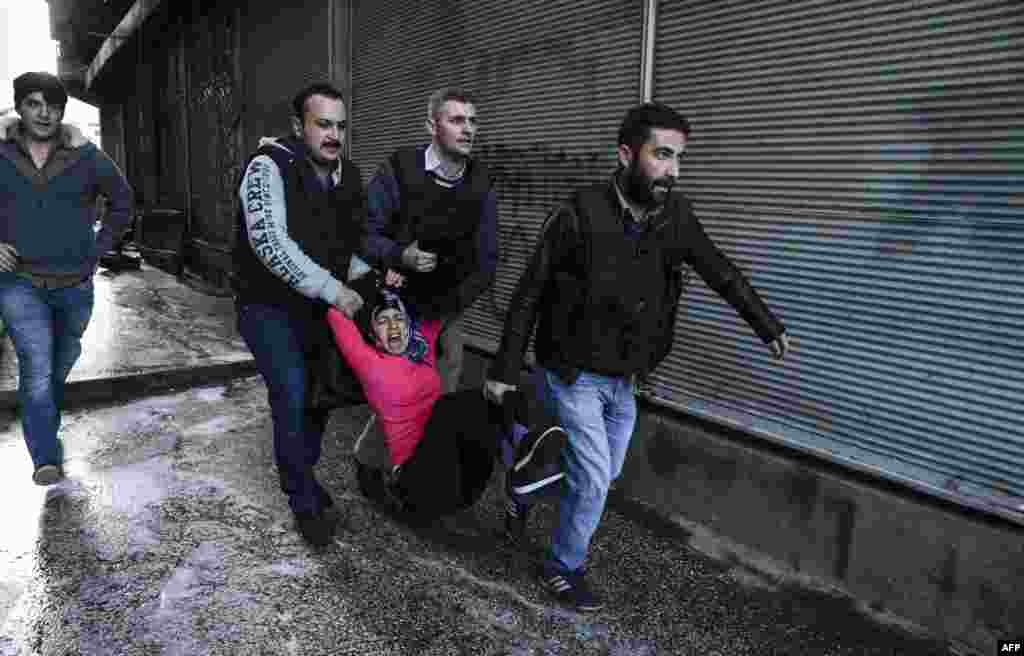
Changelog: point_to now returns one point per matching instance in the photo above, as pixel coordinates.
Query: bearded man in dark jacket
(300, 220)
(605, 282)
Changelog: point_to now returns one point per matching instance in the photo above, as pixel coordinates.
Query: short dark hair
(443, 95)
(51, 86)
(318, 89)
(636, 126)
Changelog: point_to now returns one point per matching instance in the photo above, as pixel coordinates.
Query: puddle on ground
(189, 589)
(215, 426)
(209, 394)
(129, 489)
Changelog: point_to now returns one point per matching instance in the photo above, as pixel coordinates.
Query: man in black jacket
(605, 282)
(300, 220)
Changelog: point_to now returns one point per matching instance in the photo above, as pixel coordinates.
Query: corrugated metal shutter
(215, 117)
(864, 162)
(552, 79)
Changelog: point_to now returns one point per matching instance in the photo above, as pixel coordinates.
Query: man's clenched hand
(416, 260)
(348, 301)
(495, 389)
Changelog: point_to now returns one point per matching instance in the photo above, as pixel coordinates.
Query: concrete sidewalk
(148, 332)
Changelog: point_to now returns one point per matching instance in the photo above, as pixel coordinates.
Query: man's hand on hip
(348, 301)
(8, 257)
(494, 390)
(416, 260)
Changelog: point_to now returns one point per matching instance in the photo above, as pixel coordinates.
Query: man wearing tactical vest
(603, 287)
(300, 220)
(431, 213)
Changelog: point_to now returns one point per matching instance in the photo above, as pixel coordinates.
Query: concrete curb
(130, 386)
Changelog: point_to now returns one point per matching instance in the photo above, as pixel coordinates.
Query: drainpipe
(647, 53)
(185, 109)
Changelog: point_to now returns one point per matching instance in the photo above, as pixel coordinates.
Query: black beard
(639, 188)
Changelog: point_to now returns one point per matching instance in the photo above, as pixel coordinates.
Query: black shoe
(572, 590)
(543, 445)
(516, 517)
(538, 462)
(47, 474)
(314, 528)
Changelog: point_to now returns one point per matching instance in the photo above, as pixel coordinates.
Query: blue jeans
(598, 413)
(46, 327)
(278, 340)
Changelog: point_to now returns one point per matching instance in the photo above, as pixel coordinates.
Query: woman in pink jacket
(442, 447)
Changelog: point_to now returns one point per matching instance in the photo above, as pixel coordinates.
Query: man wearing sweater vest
(431, 213)
(300, 219)
(50, 177)
(602, 288)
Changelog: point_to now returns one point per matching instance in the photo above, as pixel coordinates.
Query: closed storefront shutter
(862, 162)
(552, 79)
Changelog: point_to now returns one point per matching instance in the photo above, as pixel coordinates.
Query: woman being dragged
(442, 448)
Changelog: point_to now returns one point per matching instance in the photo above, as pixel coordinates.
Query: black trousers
(454, 459)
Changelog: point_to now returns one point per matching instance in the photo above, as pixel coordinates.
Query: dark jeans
(46, 327)
(280, 341)
(454, 459)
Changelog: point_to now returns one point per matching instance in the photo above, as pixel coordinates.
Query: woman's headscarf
(376, 298)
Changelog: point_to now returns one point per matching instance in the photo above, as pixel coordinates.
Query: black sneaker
(315, 528)
(47, 474)
(541, 445)
(516, 516)
(572, 590)
(538, 461)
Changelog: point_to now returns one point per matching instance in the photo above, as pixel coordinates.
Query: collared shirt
(432, 164)
(633, 211)
(332, 179)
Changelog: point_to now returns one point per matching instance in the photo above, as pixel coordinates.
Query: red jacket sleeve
(350, 342)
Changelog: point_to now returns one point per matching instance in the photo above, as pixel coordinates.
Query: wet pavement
(170, 536)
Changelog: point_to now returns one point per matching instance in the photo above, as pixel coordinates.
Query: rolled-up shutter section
(864, 163)
(552, 80)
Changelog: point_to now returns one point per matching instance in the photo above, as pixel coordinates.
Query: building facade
(863, 162)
